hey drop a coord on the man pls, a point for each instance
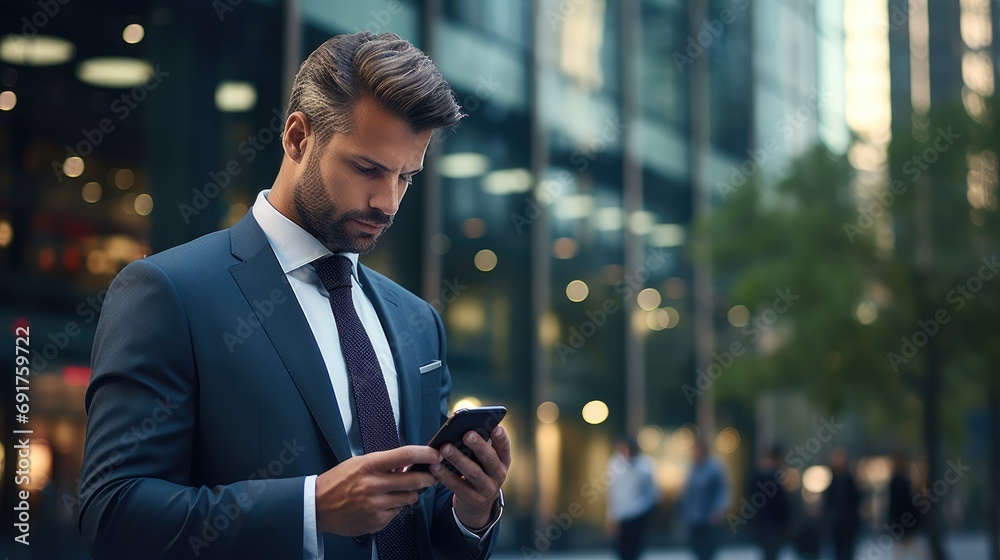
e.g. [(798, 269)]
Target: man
[(256, 392), (632, 497), (903, 519), (705, 501), (770, 523), (841, 504)]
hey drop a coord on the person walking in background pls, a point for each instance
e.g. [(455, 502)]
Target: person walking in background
[(902, 518), (841, 503), (632, 497), (770, 524), (705, 500)]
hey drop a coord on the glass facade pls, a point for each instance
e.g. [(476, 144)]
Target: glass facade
[(549, 230), (554, 229)]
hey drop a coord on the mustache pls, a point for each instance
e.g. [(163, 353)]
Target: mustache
[(373, 216)]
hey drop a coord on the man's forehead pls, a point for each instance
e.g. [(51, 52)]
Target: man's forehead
[(383, 136)]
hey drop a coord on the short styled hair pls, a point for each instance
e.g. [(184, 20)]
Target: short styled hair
[(384, 68)]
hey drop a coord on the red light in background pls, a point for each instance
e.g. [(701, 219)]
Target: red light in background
[(77, 376), (71, 259), (21, 322), (46, 258)]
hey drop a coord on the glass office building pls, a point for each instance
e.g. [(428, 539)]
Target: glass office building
[(552, 229)]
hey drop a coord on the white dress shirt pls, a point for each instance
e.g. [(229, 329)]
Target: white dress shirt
[(295, 249)]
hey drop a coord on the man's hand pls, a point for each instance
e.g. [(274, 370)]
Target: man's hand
[(363, 494), (479, 487)]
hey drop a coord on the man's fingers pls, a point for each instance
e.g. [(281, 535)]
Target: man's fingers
[(385, 461), (469, 469), (501, 443), (450, 480), (407, 482), (487, 456), (397, 500)]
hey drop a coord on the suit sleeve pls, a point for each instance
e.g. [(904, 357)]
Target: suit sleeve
[(447, 540), (136, 496)]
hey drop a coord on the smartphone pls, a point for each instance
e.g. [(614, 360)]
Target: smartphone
[(481, 419)]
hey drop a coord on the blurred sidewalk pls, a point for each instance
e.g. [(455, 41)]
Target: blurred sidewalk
[(959, 547)]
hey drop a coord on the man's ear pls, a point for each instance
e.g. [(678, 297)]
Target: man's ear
[(296, 137)]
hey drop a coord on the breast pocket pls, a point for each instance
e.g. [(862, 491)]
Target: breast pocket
[(430, 399)]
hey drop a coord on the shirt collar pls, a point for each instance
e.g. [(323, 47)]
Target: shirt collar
[(293, 246)]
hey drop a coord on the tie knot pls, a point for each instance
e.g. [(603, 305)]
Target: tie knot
[(334, 272)]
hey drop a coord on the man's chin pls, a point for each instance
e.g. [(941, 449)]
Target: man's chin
[(361, 244)]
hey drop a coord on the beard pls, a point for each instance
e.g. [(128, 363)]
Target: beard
[(321, 217)]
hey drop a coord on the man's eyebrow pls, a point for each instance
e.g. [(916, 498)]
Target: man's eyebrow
[(385, 168)]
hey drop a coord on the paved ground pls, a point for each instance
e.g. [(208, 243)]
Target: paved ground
[(959, 548)]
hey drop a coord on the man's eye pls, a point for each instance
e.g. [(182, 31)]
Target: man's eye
[(364, 170)]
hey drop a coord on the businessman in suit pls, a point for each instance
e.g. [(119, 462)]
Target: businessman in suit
[(256, 392)]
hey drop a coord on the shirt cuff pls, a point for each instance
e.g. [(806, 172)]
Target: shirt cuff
[(310, 532), (477, 537)]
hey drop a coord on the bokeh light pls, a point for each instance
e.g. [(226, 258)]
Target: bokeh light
[(817, 478), (728, 440), (595, 412), (739, 315), (648, 299), (486, 260), (577, 291), (91, 192), (547, 412), (73, 166), (133, 33)]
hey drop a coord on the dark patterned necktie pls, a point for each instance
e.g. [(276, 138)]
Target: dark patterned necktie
[(398, 540)]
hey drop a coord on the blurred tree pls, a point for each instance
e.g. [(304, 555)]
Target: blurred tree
[(897, 286)]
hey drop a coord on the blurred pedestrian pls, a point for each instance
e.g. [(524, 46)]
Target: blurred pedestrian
[(632, 497), (705, 501), (902, 518), (770, 523), (841, 504)]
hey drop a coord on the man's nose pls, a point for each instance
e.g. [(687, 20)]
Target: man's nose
[(388, 195)]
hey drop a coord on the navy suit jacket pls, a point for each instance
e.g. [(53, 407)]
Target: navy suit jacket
[(210, 404)]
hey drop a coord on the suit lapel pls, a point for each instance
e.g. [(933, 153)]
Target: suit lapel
[(394, 321), (258, 276)]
